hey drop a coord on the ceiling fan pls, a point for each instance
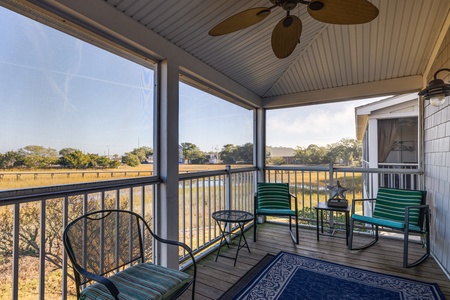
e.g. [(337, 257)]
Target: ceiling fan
[(286, 33)]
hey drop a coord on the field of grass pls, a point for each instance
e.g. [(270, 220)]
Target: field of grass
[(19, 179)]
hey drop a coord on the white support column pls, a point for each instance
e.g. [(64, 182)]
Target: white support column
[(373, 159), (260, 142), (166, 209)]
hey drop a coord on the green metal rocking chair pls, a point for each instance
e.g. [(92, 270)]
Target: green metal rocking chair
[(274, 199)]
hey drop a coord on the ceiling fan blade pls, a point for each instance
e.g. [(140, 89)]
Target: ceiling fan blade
[(346, 12), (286, 35), (240, 21)]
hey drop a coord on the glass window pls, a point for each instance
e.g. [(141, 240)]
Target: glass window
[(213, 132), (69, 106)]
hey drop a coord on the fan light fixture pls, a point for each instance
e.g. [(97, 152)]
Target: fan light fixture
[(436, 90)]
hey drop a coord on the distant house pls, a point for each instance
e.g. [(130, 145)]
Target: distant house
[(288, 154), (213, 158)]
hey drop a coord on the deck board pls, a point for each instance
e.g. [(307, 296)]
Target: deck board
[(214, 278)]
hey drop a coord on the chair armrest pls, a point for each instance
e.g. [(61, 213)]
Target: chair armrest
[(103, 280), (176, 243), (295, 201), (421, 207), (360, 200)]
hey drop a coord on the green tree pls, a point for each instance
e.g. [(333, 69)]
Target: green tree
[(244, 153), (76, 159), (347, 150), (313, 154), (227, 155), (38, 157), (131, 159), (277, 161), (193, 154), (9, 160), (143, 152)]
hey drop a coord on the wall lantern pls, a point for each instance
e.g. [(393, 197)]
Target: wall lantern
[(436, 90)]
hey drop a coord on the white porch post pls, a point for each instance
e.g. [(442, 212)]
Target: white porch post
[(166, 208), (260, 142), (373, 160)]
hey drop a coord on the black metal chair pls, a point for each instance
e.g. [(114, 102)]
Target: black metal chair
[(108, 251)]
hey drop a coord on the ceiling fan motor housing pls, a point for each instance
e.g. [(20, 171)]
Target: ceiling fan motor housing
[(285, 4)]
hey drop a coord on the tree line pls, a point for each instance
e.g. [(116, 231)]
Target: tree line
[(345, 151), (39, 157)]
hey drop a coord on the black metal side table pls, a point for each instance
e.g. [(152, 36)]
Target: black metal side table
[(228, 217), (323, 206)]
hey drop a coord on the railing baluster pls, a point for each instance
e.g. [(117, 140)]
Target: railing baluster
[(42, 252), (15, 271)]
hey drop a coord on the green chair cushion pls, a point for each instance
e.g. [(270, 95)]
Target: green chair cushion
[(384, 222), (142, 281), (275, 212), (391, 204)]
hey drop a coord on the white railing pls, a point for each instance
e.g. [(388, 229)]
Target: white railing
[(32, 220), (310, 183), (202, 193)]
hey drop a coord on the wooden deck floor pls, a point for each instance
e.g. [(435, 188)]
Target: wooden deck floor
[(214, 278)]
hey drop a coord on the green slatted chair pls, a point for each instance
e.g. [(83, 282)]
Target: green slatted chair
[(107, 250), (394, 209), (274, 199)]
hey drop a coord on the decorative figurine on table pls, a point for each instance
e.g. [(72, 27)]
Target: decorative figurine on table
[(337, 195)]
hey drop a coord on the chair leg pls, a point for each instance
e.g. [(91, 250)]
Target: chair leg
[(350, 243), (255, 221), (294, 238), (350, 237), (405, 250)]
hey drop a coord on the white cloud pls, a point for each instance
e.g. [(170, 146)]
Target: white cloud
[(319, 124)]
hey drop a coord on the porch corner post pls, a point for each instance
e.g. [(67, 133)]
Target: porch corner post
[(260, 143), (166, 212)]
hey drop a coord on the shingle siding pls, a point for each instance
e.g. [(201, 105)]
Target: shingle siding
[(437, 164)]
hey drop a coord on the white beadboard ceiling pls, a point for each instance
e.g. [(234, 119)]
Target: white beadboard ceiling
[(389, 55)]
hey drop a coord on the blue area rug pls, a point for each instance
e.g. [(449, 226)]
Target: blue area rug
[(291, 276)]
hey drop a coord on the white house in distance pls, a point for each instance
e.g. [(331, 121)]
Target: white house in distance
[(389, 131)]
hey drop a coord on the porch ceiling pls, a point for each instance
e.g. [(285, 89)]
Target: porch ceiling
[(389, 55)]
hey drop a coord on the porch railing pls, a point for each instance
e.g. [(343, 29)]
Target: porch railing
[(202, 193), (32, 219), (310, 183)]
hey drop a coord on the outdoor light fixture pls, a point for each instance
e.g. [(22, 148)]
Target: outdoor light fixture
[(436, 90)]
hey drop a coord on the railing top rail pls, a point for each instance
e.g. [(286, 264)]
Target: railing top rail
[(399, 164), (379, 170), (74, 172), (195, 175), (343, 169), (31, 194), (298, 168)]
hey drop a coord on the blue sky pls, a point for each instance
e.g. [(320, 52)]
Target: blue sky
[(59, 92)]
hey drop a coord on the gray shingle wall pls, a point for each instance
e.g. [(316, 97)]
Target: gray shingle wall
[(437, 163)]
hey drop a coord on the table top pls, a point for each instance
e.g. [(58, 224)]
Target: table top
[(324, 206), (232, 216)]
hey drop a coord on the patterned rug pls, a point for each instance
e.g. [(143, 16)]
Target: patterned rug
[(291, 276)]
